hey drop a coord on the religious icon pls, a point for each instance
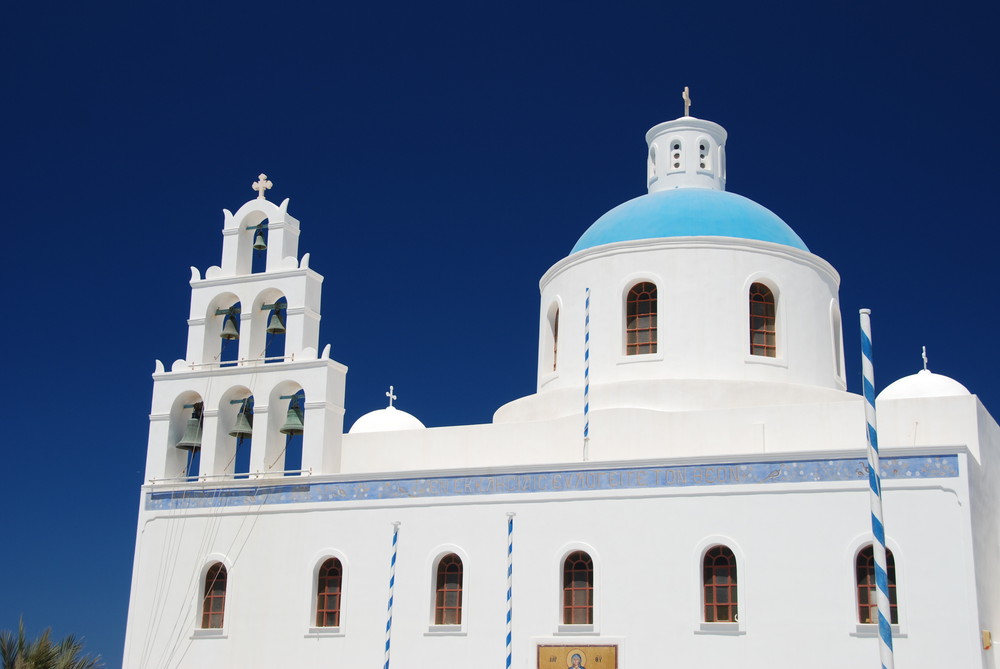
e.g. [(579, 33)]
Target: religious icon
[(566, 656)]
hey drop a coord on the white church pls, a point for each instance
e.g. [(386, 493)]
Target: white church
[(688, 486)]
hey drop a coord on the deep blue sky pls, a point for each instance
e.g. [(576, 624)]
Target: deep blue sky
[(440, 158)]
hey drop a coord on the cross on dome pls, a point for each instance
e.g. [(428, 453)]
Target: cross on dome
[(924, 356), (391, 396), (261, 185), (686, 96)]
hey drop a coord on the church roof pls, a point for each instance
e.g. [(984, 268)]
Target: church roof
[(689, 212), (923, 384), (389, 419)]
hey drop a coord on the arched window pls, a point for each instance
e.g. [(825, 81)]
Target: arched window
[(555, 339), (837, 343), (762, 337), (640, 319), (578, 589), (213, 607), (719, 584), (328, 589), (448, 599), (865, 576)]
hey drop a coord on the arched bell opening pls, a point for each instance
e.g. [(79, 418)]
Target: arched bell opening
[(258, 247), (222, 330), (286, 425), (252, 232), (184, 436), (229, 334), (267, 326), (235, 432)]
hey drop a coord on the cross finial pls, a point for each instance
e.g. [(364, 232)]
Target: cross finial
[(391, 396), (261, 185), (924, 356), (686, 96)]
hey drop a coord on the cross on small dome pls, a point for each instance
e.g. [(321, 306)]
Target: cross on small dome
[(391, 396), (261, 185), (686, 96)]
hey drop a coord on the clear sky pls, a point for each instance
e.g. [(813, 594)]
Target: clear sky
[(440, 157)]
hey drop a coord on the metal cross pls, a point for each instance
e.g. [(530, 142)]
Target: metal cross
[(687, 101), (261, 185), (924, 356), (390, 396)]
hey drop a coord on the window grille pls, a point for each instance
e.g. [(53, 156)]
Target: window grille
[(865, 571), (329, 583), (448, 602), (578, 589), (762, 333), (640, 319), (719, 582), (213, 606)]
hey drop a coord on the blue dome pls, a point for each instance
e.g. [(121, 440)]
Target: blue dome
[(689, 212)]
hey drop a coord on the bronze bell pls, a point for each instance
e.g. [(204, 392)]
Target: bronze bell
[(293, 420), (229, 329), (276, 325), (258, 241), (243, 429), (191, 441)]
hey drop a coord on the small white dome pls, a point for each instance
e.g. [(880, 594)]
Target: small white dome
[(386, 420), (923, 384)]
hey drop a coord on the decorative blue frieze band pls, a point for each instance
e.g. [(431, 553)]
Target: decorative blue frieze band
[(626, 478)]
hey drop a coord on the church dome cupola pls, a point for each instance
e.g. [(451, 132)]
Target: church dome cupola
[(687, 152), (686, 180)]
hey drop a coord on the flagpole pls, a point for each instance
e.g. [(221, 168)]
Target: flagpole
[(875, 496), (392, 585), (586, 378), (510, 575)]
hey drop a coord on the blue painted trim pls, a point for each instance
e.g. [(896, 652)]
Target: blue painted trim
[(625, 478)]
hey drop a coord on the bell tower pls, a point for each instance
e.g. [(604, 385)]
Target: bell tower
[(252, 398)]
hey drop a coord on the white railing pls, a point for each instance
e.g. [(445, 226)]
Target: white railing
[(242, 362)]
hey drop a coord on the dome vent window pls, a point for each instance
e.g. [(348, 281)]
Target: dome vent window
[(640, 319), (762, 321), (675, 154), (703, 162)]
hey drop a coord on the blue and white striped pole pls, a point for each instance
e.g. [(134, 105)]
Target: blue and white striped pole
[(586, 378), (392, 585), (510, 574), (875, 495)]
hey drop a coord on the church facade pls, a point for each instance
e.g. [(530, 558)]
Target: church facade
[(688, 486)]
